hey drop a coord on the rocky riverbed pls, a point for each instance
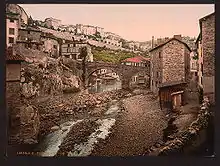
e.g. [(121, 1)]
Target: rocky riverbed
[(104, 124)]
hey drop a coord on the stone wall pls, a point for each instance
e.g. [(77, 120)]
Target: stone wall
[(13, 72), (208, 45), (173, 61), (156, 66), (13, 93), (188, 138), (208, 48)]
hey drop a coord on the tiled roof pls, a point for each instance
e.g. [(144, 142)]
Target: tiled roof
[(136, 59), (13, 57)]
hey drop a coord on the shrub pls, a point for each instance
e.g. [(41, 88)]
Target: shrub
[(71, 90)]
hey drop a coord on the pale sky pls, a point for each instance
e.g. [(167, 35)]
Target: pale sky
[(131, 21)]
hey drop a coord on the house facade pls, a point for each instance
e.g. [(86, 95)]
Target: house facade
[(206, 56), (170, 62), (30, 38), (14, 8), (72, 49), (50, 44), (12, 26)]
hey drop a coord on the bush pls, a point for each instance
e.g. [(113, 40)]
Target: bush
[(71, 90)]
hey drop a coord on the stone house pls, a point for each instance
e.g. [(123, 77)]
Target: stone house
[(50, 44), (72, 49), (206, 56), (12, 25), (13, 76), (30, 38), (14, 8), (137, 61), (170, 62), (52, 22)]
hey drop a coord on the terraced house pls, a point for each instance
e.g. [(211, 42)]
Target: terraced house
[(206, 56)]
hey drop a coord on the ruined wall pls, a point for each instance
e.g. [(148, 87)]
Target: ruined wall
[(173, 61), (192, 137), (208, 52)]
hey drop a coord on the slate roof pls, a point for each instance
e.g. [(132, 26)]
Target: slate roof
[(171, 83), (168, 42)]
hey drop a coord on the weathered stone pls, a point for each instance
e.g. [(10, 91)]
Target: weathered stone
[(22, 79), (26, 121), (54, 128)]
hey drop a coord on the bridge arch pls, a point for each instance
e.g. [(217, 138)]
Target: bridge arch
[(103, 67)]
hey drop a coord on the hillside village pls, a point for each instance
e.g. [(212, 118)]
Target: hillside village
[(73, 83)]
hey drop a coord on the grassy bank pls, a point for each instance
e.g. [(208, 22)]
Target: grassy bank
[(110, 56)]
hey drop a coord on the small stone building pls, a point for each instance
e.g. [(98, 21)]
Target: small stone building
[(72, 49), (30, 37), (170, 62), (206, 56), (50, 44)]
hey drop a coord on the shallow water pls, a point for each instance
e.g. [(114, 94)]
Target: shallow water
[(53, 140), (85, 148)]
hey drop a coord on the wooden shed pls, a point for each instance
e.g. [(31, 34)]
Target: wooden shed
[(171, 95)]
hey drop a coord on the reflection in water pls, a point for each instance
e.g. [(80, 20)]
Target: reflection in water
[(103, 86)]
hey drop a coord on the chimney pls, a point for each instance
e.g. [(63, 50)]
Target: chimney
[(152, 42), (179, 37)]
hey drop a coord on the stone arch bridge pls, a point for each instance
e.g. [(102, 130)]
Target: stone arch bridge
[(125, 72)]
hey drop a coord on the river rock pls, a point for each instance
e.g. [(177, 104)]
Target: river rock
[(22, 79), (54, 128)]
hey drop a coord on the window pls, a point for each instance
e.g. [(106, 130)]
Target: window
[(201, 80), (11, 20), (156, 83), (28, 32), (202, 68), (158, 74), (11, 40), (11, 31), (159, 54), (196, 74)]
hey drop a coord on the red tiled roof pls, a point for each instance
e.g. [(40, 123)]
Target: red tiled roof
[(136, 59)]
